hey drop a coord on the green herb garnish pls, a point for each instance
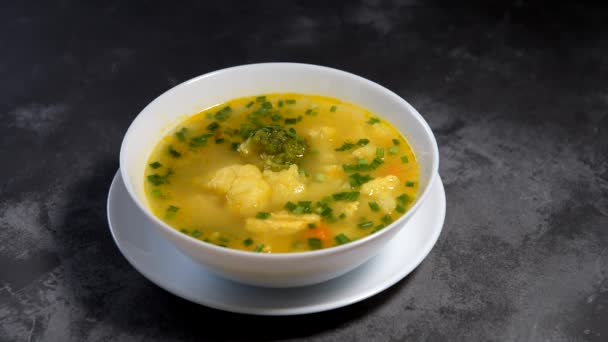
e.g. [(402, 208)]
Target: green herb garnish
[(248, 242), (404, 160), (410, 184), (365, 224), (259, 248), (312, 226), (380, 152), (333, 109), (249, 104), (173, 152), (261, 98), (393, 150), (346, 196), (262, 215), (155, 165), (396, 142), (341, 239), (223, 113), (213, 126), (374, 206), (290, 101), (315, 243), (291, 121), (373, 121), (181, 134), (357, 179)]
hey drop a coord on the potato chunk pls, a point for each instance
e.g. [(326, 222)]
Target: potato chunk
[(281, 223), (382, 191), (246, 190), (367, 152), (285, 185)]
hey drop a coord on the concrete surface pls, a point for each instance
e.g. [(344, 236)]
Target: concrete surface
[(516, 92)]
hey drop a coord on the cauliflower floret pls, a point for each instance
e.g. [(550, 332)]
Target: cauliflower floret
[(346, 208), (285, 185), (245, 189), (382, 191), (367, 152), (281, 223)]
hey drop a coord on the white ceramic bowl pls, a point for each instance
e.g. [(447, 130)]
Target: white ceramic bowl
[(197, 94)]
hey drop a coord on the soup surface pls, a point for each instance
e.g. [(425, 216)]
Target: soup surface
[(281, 173)]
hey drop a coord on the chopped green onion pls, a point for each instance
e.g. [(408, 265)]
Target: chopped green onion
[(400, 208), (386, 219), (290, 206), (220, 140), (291, 121), (290, 101), (346, 196), (261, 98), (181, 134), (280, 103), (373, 121), (333, 109), (262, 215), (259, 248), (341, 239), (393, 150), (380, 152), (249, 104), (312, 226), (374, 206), (363, 142), (173, 152), (404, 160), (320, 177), (403, 198), (276, 117), (172, 209), (234, 146), (409, 184), (196, 233), (155, 165), (157, 193), (326, 212), (157, 179), (342, 216), (396, 142), (213, 126), (357, 179), (345, 146), (365, 224), (223, 113), (248, 242), (185, 231), (314, 243)]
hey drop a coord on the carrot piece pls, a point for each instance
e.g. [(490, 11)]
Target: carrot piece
[(321, 232), (394, 169)]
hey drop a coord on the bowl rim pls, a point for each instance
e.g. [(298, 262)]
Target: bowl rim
[(286, 255)]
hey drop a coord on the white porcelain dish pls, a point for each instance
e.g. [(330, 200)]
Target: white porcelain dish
[(158, 260), (288, 269)]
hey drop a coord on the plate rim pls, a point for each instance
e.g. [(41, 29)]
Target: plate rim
[(299, 310)]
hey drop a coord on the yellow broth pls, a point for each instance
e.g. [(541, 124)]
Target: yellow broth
[(357, 175)]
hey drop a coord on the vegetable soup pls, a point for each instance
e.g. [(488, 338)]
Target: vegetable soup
[(281, 173)]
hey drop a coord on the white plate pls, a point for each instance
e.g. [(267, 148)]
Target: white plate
[(164, 265)]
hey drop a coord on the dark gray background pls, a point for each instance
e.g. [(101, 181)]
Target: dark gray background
[(516, 93)]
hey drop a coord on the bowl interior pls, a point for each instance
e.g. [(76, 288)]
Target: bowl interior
[(202, 92)]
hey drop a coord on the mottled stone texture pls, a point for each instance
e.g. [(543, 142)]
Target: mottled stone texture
[(516, 92)]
